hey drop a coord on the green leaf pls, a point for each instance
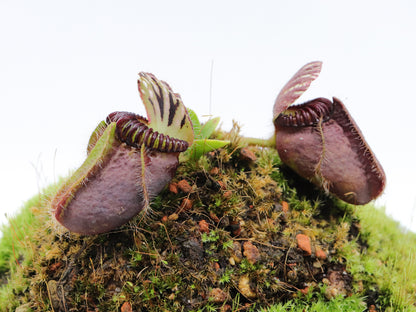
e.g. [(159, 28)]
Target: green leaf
[(202, 143), (205, 130), (195, 123), (203, 146), (208, 128)]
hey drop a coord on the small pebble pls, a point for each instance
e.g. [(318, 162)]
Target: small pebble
[(214, 171), (372, 308), (217, 295), (292, 275), (203, 226), (184, 186), (304, 243), (214, 217), (320, 254), (173, 217), (186, 204), (236, 252), (247, 154), (251, 252), (232, 261), (126, 307), (173, 187), (244, 287), (285, 207)]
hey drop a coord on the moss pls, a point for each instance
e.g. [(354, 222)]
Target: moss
[(234, 246), (338, 304)]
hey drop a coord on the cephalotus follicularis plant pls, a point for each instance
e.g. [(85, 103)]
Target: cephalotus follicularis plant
[(132, 158), (321, 142)]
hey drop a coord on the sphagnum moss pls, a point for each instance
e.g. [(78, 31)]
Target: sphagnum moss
[(234, 247)]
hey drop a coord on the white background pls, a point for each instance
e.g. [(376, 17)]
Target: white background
[(64, 65)]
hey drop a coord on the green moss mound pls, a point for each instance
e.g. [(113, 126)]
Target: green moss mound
[(235, 231)]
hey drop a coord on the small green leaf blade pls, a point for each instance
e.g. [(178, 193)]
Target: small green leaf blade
[(209, 127), (203, 146), (195, 123)]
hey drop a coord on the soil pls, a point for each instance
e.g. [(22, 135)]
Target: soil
[(224, 234)]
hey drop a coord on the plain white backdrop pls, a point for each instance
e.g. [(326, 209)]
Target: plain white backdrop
[(64, 65)]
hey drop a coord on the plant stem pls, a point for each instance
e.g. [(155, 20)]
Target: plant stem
[(271, 142)]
